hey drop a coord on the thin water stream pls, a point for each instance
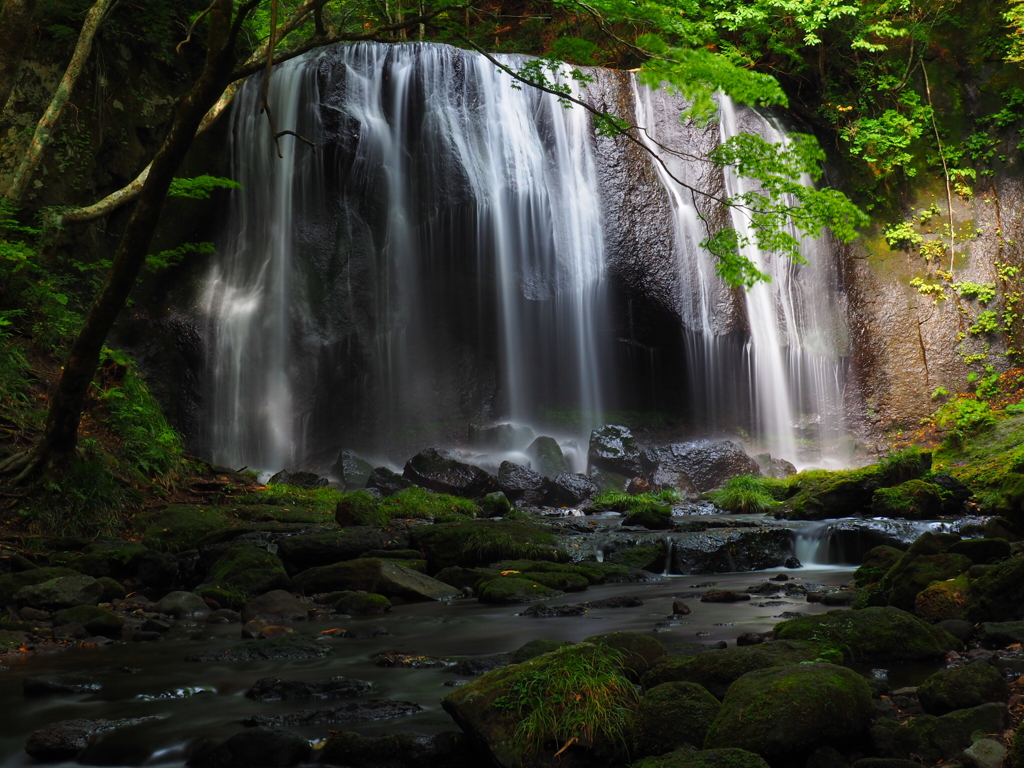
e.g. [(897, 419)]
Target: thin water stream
[(140, 679)]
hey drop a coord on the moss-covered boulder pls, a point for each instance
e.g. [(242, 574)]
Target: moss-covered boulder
[(942, 600), (535, 648), (442, 750), (930, 738), (472, 543), (785, 713), (962, 688), (362, 603), (1015, 756), (385, 577), (461, 578), (639, 651), (62, 592), (820, 495), (594, 573), (871, 634), (117, 559), (11, 583), (912, 500), (645, 556), (674, 715), (708, 758), (1000, 634), (249, 571), (302, 552), (718, 669), (982, 551), (651, 518), (876, 564), (525, 713), (360, 508), (563, 582), (513, 589), (912, 574), (96, 620), (180, 527), (999, 594)]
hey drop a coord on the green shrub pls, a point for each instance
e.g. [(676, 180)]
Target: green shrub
[(907, 464), (747, 494), (964, 417)]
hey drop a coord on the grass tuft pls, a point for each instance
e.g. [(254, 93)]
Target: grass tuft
[(748, 494)]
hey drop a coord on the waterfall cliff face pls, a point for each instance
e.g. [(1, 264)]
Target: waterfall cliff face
[(456, 248)]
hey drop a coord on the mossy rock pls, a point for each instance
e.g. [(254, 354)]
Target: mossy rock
[(639, 651), (536, 648), (933, 738), (472, 543), (708, 758), (116, 559), (383, 576), (943, 600), (309, 551), (461, 578), (564, 582), (871, 634), (912, 500), (249, 570), (718, 669), (916, 569), (982, 551), (112, 589), (594, 573), (651, 518), (491, 709), (877, 563), (962, 688), (362, 603), (512, 590), (1015, 756), (495, 505), (12, 582), (447, 749), (225, 597), (674, 715), (821, 495), (406, 555), (999, 593), (96, 620), (360, 508), (181, 527), (785, 713), (645, 556)]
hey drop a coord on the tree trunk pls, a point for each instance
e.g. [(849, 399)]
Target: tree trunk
[(48, 122), (61, 432), (15, 25)]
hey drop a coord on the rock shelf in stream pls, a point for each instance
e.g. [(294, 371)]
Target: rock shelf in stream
[(352, 712), (276, 689)]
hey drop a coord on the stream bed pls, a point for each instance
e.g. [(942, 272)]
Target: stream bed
[(192, 701)]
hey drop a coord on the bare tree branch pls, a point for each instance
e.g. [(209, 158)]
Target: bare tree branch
[(48, 122)]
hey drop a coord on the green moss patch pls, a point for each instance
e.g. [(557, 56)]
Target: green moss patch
[(180, 527), (473, 543)]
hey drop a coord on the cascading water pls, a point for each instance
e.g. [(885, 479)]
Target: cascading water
[(782, 372), (442, 256), (450, 232)]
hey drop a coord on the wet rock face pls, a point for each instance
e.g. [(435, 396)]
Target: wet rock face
[(62, 592), (570, 490), (521, 484), (719, 550), (69, 738), (614, 449), (299, 479), (546, 457), (352, 470), (444, 472), (705, 463)]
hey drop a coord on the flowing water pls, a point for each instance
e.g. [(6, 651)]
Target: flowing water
[(442, 256)]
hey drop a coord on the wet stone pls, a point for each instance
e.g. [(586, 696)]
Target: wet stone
[(66, 739), (409, 661), (275, 689), (291, 647), (355, 711), (479, 665), (45, 685), (724, 596)]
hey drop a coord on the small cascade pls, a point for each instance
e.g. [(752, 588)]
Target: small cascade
[(844, 542)]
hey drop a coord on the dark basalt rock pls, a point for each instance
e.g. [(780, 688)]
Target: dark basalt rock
[(289, 647), (352, 471), (302, 552), (521, 484), (614, 449), (730, 549), (387, 482), (45, 685), (724, 596), (955, 493), (307, 481), (962, 688), (479, 665), (61, 592), (405, 750), (445, 472), (276, 689), (352, 712), (706, 463), (69, 738), (263, 747), (570, 490), (277, 605)]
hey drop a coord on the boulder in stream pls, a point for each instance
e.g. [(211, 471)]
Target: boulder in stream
[(307, 481), (370, 574), (521, 484), (387, 482), (614, 449), (351, 712), (674, 715), (570, 490), (277, 605), (61, 592), (276, 689), (67, 739), (179, 604), (264, 747), (546, 457), (351, 470), (706, 464)]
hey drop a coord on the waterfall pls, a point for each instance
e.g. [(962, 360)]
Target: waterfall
[(450, 231), (444, 255), (784, 374)]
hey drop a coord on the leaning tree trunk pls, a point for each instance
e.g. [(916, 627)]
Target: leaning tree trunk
[(60, 436), (15, 25), (48, 122)]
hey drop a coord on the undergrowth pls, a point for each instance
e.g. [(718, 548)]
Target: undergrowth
[(575, 695), (417, 503), (620, 501)]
